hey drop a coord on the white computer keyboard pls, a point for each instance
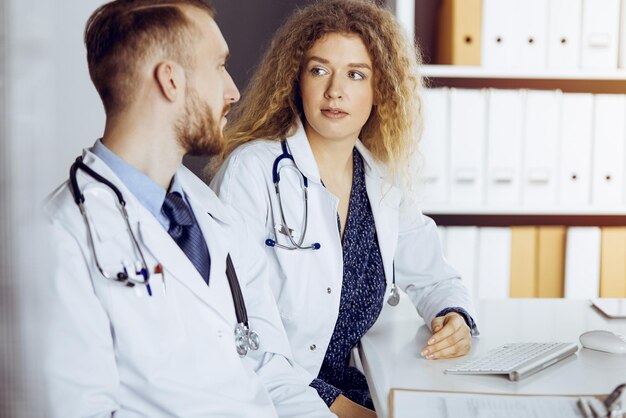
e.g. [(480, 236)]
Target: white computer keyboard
[(517, 360)]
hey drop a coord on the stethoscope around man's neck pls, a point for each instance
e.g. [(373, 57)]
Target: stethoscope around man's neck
[(142, 274), (245, 338), (394, 294)]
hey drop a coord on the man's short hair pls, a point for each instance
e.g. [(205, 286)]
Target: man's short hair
[(121, 34)]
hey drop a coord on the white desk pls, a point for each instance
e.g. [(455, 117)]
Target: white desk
[(390, 351)]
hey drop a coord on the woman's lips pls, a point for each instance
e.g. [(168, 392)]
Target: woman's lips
[(334, 113)]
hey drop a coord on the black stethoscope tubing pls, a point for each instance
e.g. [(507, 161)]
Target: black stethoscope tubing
[(235, 290), (122, 276), (76, 193), (233, 282)]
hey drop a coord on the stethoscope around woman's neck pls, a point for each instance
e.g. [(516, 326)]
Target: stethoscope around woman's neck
[(394, 294), (284, 228)]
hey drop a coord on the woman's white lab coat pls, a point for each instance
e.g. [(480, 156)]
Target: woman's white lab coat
[(111, 348), (307, 283)]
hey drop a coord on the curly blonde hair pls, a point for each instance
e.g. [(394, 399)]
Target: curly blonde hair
[(272, 100)]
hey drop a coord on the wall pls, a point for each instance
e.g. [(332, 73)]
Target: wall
[(48, 111), (248, 27)]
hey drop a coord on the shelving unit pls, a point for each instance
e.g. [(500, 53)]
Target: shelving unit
[(510, 248), (613, 82)]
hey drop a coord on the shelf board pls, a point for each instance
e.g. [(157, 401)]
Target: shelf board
[(475, 72), (553, 211), (526, 217)]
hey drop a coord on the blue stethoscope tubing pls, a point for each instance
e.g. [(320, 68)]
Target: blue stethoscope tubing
[(245, 338), (295, 245)]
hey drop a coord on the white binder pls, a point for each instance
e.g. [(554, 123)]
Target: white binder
[(600, 34), (461, 253), (582, 263), (541, 147), (405, 13), (467, 139), (622, 37), (494, 263), (504, 147), (531, 34), (564, 34), (609, 135), (498, 47), (432, 155), (576, 150)]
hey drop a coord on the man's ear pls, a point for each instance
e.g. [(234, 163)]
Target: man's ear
[(170, 79)]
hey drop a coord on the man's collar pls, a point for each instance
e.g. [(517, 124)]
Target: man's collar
[(150, 194), (201, 195)]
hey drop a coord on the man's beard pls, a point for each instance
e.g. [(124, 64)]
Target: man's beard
[(197, 131)]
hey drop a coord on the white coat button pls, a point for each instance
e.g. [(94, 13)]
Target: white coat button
[(313, 347), (329, 290)]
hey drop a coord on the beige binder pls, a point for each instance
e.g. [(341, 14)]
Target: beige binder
[(551, 261), (523, 262), (459, 32), (613, 263)]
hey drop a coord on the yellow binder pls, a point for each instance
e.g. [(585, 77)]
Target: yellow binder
[(613, 263), (551, 261), (459, 32), (523, 262)]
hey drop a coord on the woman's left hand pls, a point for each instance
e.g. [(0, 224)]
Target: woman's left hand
[(451, 338)]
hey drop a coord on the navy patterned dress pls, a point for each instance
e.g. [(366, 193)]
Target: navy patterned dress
[(362, 295)]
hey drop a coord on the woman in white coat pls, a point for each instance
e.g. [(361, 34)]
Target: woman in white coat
[(333, 109)]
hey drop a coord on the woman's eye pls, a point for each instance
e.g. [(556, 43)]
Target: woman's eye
[(318, 71), (355, 75)]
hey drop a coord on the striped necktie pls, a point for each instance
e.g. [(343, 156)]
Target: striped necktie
[(186, 232)]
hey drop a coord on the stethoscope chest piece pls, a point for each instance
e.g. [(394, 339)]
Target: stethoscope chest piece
[(394, 295), (245, 339)]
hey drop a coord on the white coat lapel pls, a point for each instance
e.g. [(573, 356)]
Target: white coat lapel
[(174, 261), (213, 220), (385, 201), (218, 242), (303, 157)]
